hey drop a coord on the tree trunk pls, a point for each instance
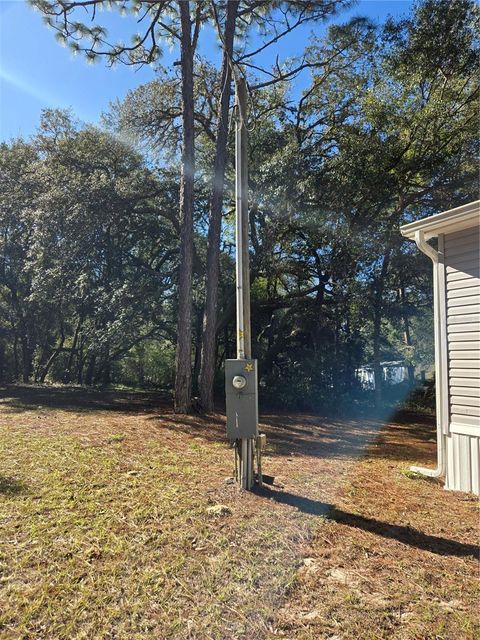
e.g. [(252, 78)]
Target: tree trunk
[(183, 360), (107, 374), (40, 377), (377, 326), (50, 362), (197, 350), (407, 336), (90, 371), (377, 368), (80, 362), (15, 359), (2, 361), (141, 363), (207, 363), (67, 374), (27, 359), (37, 376)]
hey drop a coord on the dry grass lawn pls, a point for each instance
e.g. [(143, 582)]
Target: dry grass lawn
[(396, 558), (105, 530)]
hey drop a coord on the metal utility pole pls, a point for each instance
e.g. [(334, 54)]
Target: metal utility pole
[(244, 342), (241, 374)]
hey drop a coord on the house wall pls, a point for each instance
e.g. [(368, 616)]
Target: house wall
[(462, 278)]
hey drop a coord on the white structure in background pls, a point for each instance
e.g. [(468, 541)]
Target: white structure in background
[(393, 372), (456, 271)]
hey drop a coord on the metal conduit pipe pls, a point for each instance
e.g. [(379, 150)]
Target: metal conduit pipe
[(434, 255)]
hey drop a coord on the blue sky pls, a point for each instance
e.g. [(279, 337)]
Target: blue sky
[(36, 72)]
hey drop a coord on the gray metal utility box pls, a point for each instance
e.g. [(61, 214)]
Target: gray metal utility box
[(241, 398)]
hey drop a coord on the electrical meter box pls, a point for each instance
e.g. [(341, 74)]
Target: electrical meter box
[(241, 399)]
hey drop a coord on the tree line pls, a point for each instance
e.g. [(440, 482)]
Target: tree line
[(117, 261)]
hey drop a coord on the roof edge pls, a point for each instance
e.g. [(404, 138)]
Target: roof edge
[(468, 215)]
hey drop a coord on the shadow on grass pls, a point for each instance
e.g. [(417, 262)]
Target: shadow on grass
[(10, 486), (21, 398), (404, 437), (306, 505), (407, 437), (405, 535)]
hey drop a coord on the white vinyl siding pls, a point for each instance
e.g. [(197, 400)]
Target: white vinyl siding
[(463, 463), (462, 262), (457, 337)]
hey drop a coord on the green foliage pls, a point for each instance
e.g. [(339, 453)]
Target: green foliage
[(94, 228), (411, 475), (148, 364)]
